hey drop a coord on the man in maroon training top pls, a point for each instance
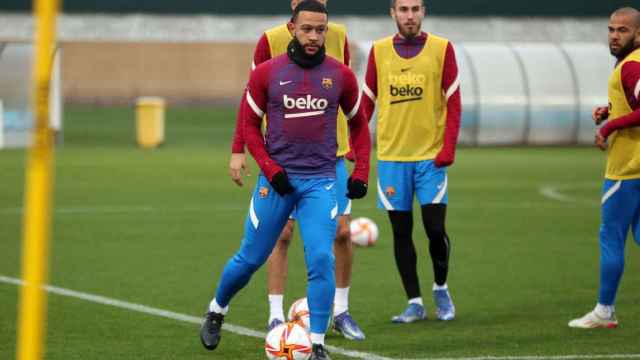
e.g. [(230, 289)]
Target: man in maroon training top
[(300, 93)]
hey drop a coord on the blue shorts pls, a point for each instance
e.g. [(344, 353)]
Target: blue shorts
[(399, 181), (342, 176), (621, 209)]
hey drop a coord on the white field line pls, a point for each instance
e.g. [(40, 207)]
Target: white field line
[(240, 330), (554, 192), (173, 315)]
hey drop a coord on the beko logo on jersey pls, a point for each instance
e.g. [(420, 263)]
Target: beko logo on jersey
[(406, 90), (314, 106), (406, 87), (305, 103)]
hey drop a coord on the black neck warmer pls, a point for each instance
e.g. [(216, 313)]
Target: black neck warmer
[(296, 53)]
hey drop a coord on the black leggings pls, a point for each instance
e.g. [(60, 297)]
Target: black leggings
[(433, 219)]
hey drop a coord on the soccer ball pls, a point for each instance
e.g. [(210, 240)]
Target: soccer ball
[(364, 232), (288, 342), (299, 313)]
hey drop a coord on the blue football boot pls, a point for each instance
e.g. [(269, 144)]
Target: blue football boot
[(445, 310), (345, 325), (413, 312)]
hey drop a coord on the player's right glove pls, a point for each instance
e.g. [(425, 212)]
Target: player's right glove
[(356, 188), (280, 183)]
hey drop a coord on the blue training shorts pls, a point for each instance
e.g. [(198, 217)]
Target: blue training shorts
[(399, 181)]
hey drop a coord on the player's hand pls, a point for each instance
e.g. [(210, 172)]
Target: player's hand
[(280, 183), (238, 167), (600, 141), (356, 188), (600, 114), (444, 158)]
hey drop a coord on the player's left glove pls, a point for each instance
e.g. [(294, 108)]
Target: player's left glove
[(280, 183), (356, 188)]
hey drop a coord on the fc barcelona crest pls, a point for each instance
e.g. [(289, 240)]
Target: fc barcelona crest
[(390, 191), (327, 83)]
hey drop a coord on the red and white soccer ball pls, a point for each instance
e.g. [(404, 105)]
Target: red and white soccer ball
[(299, 313), (288, 342), (364, 232)]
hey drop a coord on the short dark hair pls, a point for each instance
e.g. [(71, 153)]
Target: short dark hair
[(309, 5), (634, 13), (393, 3)]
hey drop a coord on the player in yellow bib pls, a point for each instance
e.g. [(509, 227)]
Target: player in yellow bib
[(620, 205), (272, 43), (412, 78)]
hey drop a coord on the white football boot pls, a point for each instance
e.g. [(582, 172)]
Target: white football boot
[(595, 319)]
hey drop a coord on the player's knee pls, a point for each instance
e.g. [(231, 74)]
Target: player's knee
[(401, 224), (285, 236), (250, 264), (436, 233), (402, 233), (320, 261), (343, 234), (433, 219), (613, 263)]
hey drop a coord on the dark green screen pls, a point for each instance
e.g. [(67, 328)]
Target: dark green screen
[(351, 7)]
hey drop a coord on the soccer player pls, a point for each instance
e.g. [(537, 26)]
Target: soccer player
[(620, 205), (271, 44), (300, 93), (412, 78)]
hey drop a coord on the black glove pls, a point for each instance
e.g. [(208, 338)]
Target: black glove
[(356, 189), (280, 183)]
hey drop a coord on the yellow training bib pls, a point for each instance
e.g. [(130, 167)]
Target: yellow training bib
[(623, 160), (411, 104)]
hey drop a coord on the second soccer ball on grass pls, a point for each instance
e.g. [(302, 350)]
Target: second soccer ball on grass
[(364, 232)]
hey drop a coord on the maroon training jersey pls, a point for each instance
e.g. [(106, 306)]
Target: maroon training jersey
[(301, 107)]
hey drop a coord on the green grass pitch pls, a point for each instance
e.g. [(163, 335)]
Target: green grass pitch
[(156, 227)]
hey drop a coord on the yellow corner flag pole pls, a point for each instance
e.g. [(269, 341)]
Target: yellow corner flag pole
[(37, 214)]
